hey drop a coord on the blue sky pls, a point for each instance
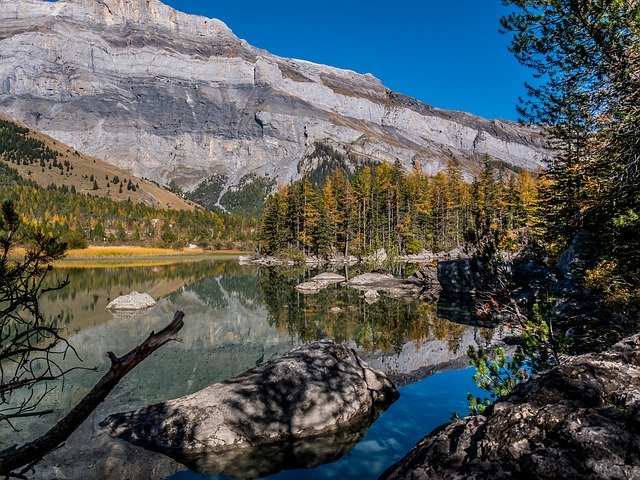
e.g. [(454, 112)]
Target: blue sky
[(448, 54)]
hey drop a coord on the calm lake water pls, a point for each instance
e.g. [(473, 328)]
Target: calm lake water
[(237, 317)]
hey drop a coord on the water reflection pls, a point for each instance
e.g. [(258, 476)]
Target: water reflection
[(259, 462), (235, 318)]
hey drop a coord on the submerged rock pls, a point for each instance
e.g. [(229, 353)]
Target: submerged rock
[(310, 287), (329, 278), (383, 283), (133, 301), (367, 279), (314, 390), (265, 460), (319, 282), (579, 420)]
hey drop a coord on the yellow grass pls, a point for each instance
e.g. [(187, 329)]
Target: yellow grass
[(129, 256)]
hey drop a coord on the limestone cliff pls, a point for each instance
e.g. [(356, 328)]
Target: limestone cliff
[(172, 96)]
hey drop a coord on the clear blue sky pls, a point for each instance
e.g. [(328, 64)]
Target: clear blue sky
[(446, 53)]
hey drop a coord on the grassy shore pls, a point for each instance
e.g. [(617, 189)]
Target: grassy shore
[(129, 256)]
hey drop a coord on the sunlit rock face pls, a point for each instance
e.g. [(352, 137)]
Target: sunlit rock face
[(176, 96)]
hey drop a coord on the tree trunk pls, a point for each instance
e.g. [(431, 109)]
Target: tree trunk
[(12, 459)]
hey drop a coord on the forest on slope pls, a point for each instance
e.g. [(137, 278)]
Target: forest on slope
[(80, 218)]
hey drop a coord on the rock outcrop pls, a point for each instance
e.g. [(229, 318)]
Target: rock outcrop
[(133, 301), (172, 96), (427, 278), (579, 420), (314, 390)]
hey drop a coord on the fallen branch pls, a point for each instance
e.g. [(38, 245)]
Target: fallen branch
[(14, 458)]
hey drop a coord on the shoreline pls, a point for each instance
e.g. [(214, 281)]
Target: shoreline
[(132, 256)]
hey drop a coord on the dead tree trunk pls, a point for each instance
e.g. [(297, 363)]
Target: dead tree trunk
[(26, 456)]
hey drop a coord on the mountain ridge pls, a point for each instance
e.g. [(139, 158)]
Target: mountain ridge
[(178, 97)]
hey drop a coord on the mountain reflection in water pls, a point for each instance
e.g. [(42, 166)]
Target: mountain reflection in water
[(235, 318)]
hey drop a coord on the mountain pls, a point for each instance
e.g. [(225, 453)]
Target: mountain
[(179, 98), (45, 161)]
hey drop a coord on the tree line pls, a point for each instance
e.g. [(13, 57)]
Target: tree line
[(78, 219), (383, 206), (16, 146)]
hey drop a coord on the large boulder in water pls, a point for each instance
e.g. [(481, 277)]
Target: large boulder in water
[(314, 390), (579, 420), (459, 276), (133, 301), (384, 283)]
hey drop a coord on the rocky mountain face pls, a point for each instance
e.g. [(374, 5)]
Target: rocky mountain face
[(172, 96)]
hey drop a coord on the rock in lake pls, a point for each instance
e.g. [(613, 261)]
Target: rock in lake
[(314, 390), (367, 279), (579, 420), (459, 276), (133, 301), (310, 287), (386, 284), (328, 278), (371, 296), (319, 282)]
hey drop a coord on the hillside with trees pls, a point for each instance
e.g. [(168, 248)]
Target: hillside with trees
[(81, 219), (45, 161)]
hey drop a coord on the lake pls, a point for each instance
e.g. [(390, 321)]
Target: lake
[(235, 318)]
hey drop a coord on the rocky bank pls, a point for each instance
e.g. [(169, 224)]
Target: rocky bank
[(579, 420)]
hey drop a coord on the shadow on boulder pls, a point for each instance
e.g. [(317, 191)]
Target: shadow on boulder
[(314, 404)]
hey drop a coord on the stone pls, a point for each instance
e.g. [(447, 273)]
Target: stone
[(133, 301), (371, 296), (379, 256), (383, 283), (311, 287), (370, 279), (533, 276), (244, 260), (427, 280), (459, 276), (314, 390), (319, 282), (266, 261), (579, 420), (328, 277), (171, 96)]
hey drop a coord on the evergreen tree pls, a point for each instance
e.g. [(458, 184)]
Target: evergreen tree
[(587, 57)]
